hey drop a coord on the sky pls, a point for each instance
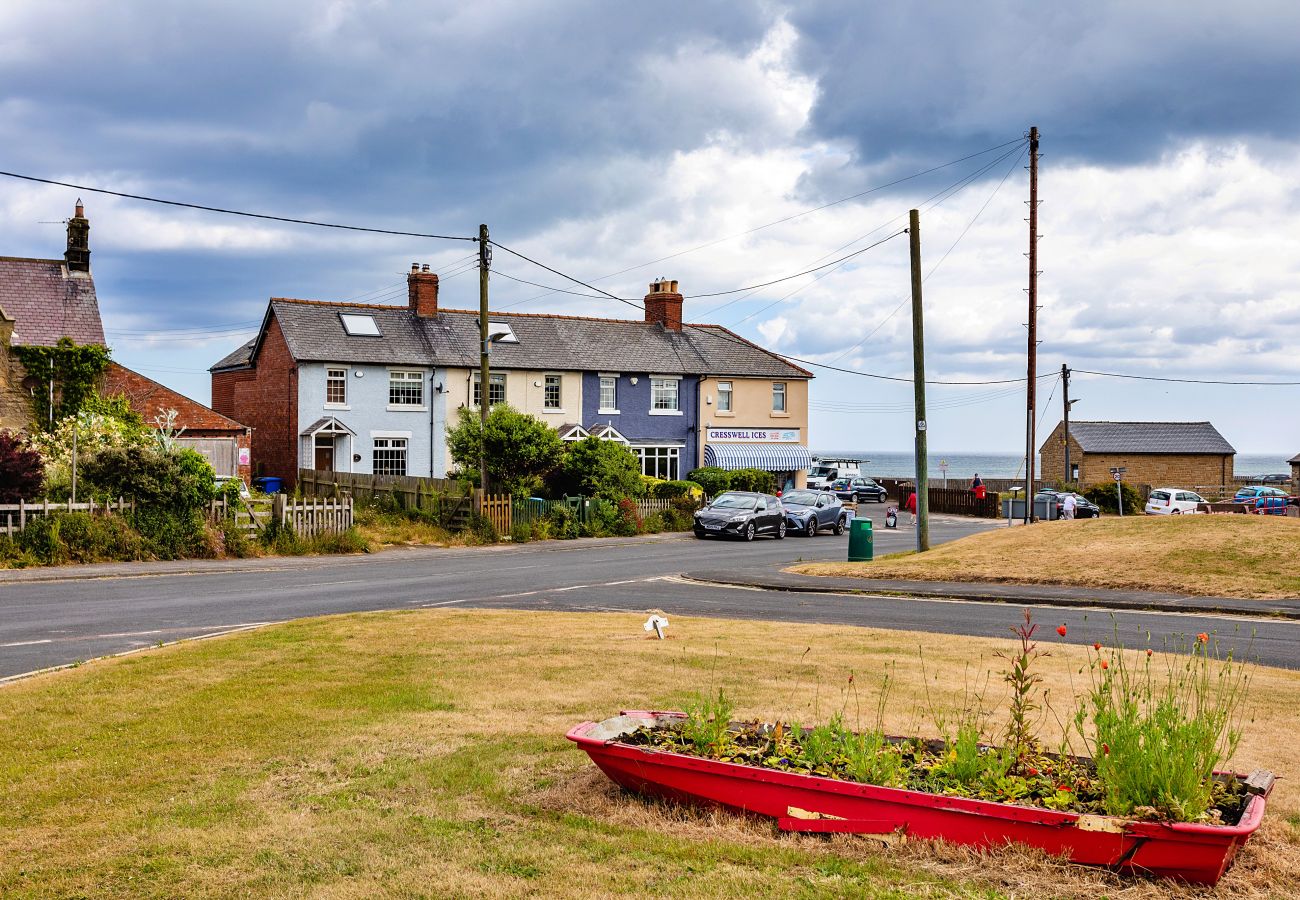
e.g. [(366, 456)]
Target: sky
[(720, 144)]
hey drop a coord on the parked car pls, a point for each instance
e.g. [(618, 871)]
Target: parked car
[(741, 514), (1278, 478), (827, 470), (807, 512), (859, 490), (1262, 499), (222, 480), (1172, 502), (1083, 507)]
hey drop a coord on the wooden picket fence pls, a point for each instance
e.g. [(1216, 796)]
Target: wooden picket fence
[(16, 516), (310, 516), (497, 509)]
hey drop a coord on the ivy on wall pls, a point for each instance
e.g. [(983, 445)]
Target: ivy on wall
[(75, 370)]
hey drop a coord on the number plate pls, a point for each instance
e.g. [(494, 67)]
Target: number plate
[(713, 527)]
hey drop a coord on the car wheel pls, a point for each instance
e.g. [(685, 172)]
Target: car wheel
[(1176, 512), (700, 535), (780, 531), (810, 530), (881, 499), (839, 526), (750, 531)]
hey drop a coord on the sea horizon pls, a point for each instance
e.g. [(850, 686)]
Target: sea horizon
[(965, 465)]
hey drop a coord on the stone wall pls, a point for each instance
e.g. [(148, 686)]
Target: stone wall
[(15, 405)]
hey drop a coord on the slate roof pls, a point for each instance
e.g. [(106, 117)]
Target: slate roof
[(48, 302), (1185, 438), (315, 333), (1295, 459)]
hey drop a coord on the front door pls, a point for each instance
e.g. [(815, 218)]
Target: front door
[(324, 453)]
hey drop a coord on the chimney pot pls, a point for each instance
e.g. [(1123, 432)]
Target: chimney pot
[(424, 268), (415, 267)]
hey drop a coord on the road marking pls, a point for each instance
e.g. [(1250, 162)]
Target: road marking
[(27, 643), (125, 634)]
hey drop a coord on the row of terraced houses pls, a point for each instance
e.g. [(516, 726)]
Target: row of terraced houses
[(371, 389)]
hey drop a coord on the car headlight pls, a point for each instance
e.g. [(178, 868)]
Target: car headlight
[(739, 518)]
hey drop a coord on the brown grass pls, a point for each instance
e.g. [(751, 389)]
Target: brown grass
[(421, 753), (1251, 557)]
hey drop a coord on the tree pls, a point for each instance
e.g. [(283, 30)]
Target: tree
[(21, 469), (600, 468), (180, 482), (103, 423), (520, 449)]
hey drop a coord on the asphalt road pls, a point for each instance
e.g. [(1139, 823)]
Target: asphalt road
[(55, 622)]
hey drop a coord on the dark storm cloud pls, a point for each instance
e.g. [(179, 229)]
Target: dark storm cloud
[(1105, 82)]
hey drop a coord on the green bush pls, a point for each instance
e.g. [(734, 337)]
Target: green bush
[(520, 449), (597, 468), (753, 480), (711, 478), (1104, 496), (347, 541), (670, 489), (79, 537), (563, 523), (521, 532), (235, 541), (603, 519)]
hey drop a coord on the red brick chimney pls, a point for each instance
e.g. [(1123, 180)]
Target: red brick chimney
[(422, 291), (664, 304)]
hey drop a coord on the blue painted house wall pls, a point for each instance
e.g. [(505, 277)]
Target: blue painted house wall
[(634, 419)]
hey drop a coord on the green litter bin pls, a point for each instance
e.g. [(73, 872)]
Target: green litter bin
[(860, 543)]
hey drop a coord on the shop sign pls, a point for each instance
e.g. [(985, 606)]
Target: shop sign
[(752, 435)]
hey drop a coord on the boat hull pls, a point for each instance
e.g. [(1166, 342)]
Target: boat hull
[(1194, 853)]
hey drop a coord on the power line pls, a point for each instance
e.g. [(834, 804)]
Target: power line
[(236, 212), (1187, 380), (840, 261)]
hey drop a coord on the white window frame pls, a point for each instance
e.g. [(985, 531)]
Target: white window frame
[(336, 404), (493, 378), (604, 410), (649, 455), (781, 389), (390, 445), (558, 379), (726, 389), (656, 383), (403, 376)]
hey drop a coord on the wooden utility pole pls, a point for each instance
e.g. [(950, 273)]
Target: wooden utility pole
[(1031, 424), (484, 390), (918, 386), (1065, 418)]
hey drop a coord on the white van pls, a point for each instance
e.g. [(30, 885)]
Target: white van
[(826, 470)]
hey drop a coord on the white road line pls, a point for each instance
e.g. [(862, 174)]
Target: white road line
[(125, 634), (450, 602), (27, 643)]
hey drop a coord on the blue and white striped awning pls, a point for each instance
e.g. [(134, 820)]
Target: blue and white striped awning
[(768, 457)]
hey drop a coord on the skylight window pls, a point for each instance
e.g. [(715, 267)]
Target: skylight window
[(359, 325), (507, 333)]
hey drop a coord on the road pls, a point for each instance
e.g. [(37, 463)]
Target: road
[(48, 623)]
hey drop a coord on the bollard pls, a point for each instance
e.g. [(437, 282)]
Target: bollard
[(861, 547)]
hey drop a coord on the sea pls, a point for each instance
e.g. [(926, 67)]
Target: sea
[(964, 466)]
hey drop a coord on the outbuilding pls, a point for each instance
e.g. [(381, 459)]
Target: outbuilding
[(1192, 455)]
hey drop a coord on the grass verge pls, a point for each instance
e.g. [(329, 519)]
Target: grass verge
[(1251, 557), (422, 754)]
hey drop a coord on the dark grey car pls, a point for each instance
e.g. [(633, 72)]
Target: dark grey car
[(808, 511), (741, 514)]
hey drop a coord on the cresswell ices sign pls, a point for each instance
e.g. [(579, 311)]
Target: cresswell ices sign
[(754, 435)]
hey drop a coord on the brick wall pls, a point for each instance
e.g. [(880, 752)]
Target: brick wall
[(264, 398)]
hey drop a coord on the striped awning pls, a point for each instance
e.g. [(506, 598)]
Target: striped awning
[(768, 457)]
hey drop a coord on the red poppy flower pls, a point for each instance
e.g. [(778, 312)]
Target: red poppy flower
[(1104, 664), (1105, 749), (1203, 637), (1064, 787), (1031, 772), (1061, 629), (1097, 645), (1148, 651)]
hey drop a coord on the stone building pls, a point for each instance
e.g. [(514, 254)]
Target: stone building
[(1295, 473), (1188, 455)]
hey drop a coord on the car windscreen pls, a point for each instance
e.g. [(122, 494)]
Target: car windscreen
[(1159, 495), (818, 471), (800, 498), (732, 501)]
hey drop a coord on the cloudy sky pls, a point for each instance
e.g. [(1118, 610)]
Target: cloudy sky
[(619, 142)]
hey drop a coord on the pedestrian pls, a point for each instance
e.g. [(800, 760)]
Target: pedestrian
[(911, 505), (1068, 506), (977, 487)]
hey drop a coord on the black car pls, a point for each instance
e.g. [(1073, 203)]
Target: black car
[(741, 514), (859, 489), (1274, 479), (1083, 507), (809, 511)]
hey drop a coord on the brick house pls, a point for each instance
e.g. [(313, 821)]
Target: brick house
[(1188, 455), (372, 389), (225, 442), (42, 301)]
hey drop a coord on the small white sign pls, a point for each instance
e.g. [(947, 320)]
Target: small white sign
[(920, 425)]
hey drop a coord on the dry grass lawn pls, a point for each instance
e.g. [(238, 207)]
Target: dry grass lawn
[(422, 754), (1254, 557)]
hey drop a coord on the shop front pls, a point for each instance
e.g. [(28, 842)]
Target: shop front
[(780, 451)]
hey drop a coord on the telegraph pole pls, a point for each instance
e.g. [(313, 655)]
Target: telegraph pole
[(1031, 429), (1065, 419), (918, 386), (484, 261)]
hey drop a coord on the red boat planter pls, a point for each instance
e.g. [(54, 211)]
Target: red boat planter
[(1194, 853)]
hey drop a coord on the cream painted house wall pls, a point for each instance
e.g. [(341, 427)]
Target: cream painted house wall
[(525, 391), (751, 403)]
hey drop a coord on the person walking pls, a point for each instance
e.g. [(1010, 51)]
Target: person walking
[(1068, 506), (911, 505), (977, 487)]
